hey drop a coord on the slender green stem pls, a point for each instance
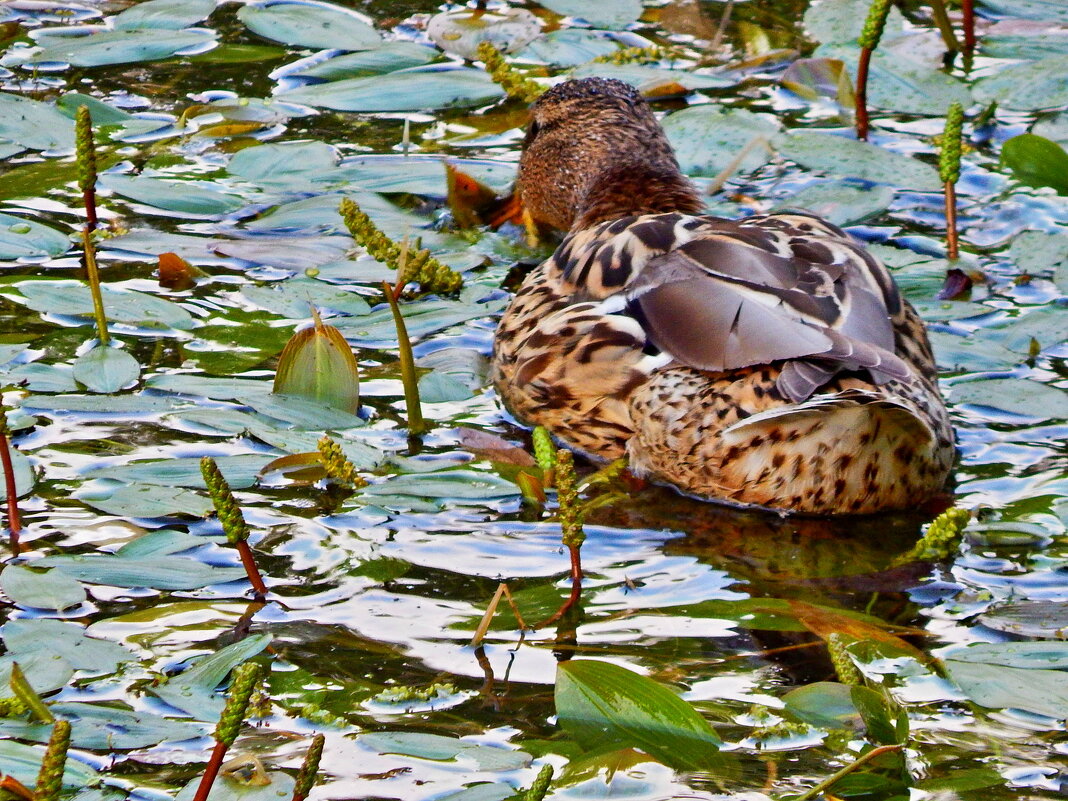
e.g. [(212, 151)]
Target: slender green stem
[(94, 287), (25, 693), (945, 27), (852, 766), (416, 424)]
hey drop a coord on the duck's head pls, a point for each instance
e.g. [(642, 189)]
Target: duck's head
[(593, 152)]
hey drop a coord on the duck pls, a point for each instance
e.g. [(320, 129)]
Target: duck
[(765, 362)]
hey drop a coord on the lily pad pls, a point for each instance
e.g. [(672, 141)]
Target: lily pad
[(106, 369), (47, 589), (118, 47), (839, 155), (306, 23), (611, 14), (33, 124), (21, 238), (1016, 396), (187, 197), (120, 305), (1044, 692), (391, 56), (707, 139), (1029, 655), (1027, 87), (169, 15), (417, 89)]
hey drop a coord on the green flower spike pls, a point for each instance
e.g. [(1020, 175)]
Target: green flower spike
[(843, 666), (309, 768), (942, 538), (949, 157), (85, 151), (233, 522), (632, 55), (337, 467), (872, 31), (245, 678), (505, 76), (541, 784), (50, 777), (544, 450), (567, 495)]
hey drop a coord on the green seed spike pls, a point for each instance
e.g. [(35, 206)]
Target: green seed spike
[(432, 275), (567, 495), (941, 539), (949, 157), (544, 450), (233, 522), (244, 682), (872, 31), (337, 467), (309, 768), (541, 784), (505, 76), (632, 55), (50, 777), (844, 667), (85, 151)]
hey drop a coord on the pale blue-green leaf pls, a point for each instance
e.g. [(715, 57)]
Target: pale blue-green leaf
[(439, 387), (709, 138), (305, 23), (391, 56), (163, 542), (284, 165), (38, 377), (9, 148), (840, 21), (106, 369), (377, 329), (1044, 10), (154, 572), (67, 640), (193, 690), (568, 47), (286, 253), (295, 297), (1044, 692), (44, 671), (239, 471), (214, 388), (1042, 618), (1014, 395), (841, 202), (9, 352), (839, 155), (487, 791), (447, 487), (611, 14), (417, 89), (119, 47), (99, 111), (1038, 252), (824, 704), (163, 14), (438, 747), (1046, 325), (102, 728), (1025, 655), (650, 79), (21, 238), (227, 789), (460, 31), (1054, 128), (100, 404), (1039, 41), (958, 353), (188, 197), (136, 499), (120, 305), (25, 477), (1029, 86), (934, 310), (303, 413), (47, 589), (23, 762), (33, 124), (362, 455), (417, 175), (467, 366)]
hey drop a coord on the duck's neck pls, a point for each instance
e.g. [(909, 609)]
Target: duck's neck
[(623, 189)]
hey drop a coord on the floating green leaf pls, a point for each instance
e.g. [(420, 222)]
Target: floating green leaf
[(1016, 396), (106, 369), (193, 691), (461, 31), (838, 155), (1044, 692), (33, 124), (306, 23), (158, 572), (290, 165), (99, 727), (163, 14), (21, 238), (1026, 655), (25, 477), (568, 47), (654, 80), (841, 202), (135, 499), (415, 89), (438, 747), (391, 56), (601, 704), (118, 47), (67, 640), (1029, 86), (239, 471), (122, 305), (24, 761), (1036, 161), (48, 589), (612, 14), (708, 139), (187, 197)]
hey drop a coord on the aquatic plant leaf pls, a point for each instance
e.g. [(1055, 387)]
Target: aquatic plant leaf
[(46, 672), (318, 364), (99, 727), (656, 81), (1014, 395), (439, 387), (823, 621), (289, 165), (1045, 10), (961, 780), (25, 477), (193, 690), (108, 405), (812, 78), (885, 720), (33, 124), (600, 704), (9, 148), (1029, 618), (840, 21), (187, 197), (417, 175), (1044, 692), (238, 54), (303, 413), (120, 305), (306, 23), (1037, 252), (417, 89), (1028, 86), (66, 640), (1047, 326), (959, 353), (1050, 655), (136, 499), (614, 15), (164, 542), (239, 471), (377, 329), (841, 202), (47, 589), (279, 788), (396, 55), (157, 572), (453, 485), (568, 47), (23, 762), (101, 112), (170, 15), (1036, 161), (838, 155), (824, 704), (117, 47), (462, 30), (21, 238), (296, 297), (438, 747), (106, 369), (707, 139)]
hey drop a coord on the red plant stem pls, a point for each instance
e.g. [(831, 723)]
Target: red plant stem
[(968, 9), (862, 94), (13, 524), (576, 589), (89, 199), (218, 753), (952, 245), (248, 559), (297, 797), (576, 564)]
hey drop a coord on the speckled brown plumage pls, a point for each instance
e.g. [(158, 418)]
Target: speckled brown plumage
[(769, 361)]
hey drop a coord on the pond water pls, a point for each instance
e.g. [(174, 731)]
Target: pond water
[(228, 134)]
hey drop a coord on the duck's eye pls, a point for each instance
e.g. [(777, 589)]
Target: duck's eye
[(532, 131)]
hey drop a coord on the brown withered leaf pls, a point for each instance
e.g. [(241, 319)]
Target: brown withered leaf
[(176, 273), (824, 622)]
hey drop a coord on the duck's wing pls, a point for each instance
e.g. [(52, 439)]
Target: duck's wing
[(737, 295)]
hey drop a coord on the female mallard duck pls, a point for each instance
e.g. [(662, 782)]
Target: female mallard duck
[(769, 361)]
